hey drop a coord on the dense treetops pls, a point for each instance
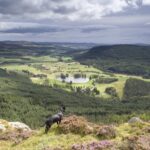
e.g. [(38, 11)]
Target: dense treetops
[(129, 59)]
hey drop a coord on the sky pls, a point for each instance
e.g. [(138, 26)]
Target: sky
[(96, 21)]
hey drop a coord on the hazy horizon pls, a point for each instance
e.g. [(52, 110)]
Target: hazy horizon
[(65, 42)]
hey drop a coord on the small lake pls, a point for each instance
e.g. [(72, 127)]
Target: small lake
[(74, 80)]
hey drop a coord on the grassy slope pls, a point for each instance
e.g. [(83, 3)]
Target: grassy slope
[(22, 100), (54, 139)]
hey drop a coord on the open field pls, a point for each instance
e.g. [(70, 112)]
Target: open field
[(53, 67)]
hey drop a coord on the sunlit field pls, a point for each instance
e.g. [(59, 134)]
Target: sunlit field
[(53, 67)]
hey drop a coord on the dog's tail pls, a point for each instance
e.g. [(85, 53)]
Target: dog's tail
[(48, 120)]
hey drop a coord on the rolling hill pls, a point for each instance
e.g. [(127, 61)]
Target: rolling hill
[(22, 100), (128, 59), (31, 102)]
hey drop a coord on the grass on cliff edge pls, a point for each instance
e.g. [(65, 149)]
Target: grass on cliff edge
[(53, 139)]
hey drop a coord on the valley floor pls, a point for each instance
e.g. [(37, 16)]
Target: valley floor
[(53, 67)]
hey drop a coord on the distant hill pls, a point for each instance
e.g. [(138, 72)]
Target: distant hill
[(12, 49), (129, 59)]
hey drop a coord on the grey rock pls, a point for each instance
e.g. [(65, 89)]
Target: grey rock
[(135, 120)]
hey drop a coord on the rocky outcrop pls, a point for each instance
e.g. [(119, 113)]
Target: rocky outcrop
[(135, 120), (14, 131), (10, 126), (2, 128), (19, 126), (3, 125)]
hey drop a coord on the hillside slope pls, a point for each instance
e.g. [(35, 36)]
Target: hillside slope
[(76, 133), (129, 59), (22, 100)]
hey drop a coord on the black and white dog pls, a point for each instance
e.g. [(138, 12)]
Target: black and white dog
[(54, 119)]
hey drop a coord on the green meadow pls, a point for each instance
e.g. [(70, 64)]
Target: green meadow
[(53, 67)]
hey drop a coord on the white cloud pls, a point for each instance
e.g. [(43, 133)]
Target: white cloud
[(146, 2), (25, 27), (64, 9), (75, 20), (134, 3), (4, 26)]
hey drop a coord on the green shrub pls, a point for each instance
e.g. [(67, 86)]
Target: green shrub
[(111, 91), (105, 80)]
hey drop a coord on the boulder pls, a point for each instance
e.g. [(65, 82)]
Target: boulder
[(14, 131), (19, 126), (3, 125), (135, 120), (2, 128)]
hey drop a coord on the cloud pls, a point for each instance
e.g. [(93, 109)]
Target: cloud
[(93, 29), (146, 2), (75, 20), (148, 23), (97, 28), (11, 25), (22, 27), (134, 3), (64, 9)]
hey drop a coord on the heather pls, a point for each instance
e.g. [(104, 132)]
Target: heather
[(77, 133)]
